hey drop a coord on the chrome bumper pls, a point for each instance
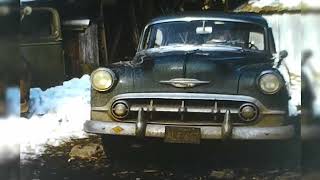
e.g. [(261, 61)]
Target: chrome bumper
[(207, 132)]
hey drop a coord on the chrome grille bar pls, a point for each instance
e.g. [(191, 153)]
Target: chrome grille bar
[(178, 109)]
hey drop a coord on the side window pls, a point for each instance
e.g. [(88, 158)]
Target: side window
[(257, 39), (38, 25), (159, 38), (146, 40)]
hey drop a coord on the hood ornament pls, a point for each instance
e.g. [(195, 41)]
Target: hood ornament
[(184, 82)]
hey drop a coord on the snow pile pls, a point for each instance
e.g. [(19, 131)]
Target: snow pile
[(312, 3), (283, 3), (294, 88), (58, 115), (55, 100), (13, 101), (285, 28), (287, 4)]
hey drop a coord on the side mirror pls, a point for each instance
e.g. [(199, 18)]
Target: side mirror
[(25, 12), (283, 54)]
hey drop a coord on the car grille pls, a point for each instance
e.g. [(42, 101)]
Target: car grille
[(180, 111)]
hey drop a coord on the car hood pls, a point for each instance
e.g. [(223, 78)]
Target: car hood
[(194, 70)]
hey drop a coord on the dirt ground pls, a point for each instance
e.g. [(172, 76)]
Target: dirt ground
[(220, 160)]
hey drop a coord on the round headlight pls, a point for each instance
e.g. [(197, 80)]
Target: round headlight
[(270, 83), (102, 79)]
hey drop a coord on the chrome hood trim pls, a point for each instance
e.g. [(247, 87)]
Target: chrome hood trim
[(184, 82)]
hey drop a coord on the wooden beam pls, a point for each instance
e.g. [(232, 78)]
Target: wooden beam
[(115, 42), (103, 53), (226, 5), (134, 26)]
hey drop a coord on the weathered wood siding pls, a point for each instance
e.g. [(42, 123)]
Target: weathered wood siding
[(81, 51), (88, 46)]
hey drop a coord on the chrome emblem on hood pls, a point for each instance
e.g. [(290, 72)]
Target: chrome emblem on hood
[(184, 82)]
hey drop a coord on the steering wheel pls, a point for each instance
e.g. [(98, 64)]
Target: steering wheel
[(253, 46)]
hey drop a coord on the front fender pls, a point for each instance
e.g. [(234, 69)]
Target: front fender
[(123, 84), (248, 86)]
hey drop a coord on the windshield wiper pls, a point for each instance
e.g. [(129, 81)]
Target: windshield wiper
[(197, 51), (192, 51)]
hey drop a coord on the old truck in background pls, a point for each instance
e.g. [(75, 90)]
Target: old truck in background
[(41, 46), (49, 57)]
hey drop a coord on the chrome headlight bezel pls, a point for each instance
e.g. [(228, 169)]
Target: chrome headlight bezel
[(108, 72), (276, 77)]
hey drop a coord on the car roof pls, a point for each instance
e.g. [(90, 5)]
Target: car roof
[(185, 16)]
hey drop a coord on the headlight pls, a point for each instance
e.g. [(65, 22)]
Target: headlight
[(269, 82), (102, 79)]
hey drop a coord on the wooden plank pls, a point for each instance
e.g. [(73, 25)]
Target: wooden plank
[(71, 49), (88, 46)]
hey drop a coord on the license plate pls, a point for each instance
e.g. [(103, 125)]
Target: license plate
[(185, 135)]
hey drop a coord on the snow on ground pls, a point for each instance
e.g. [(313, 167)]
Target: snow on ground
[(58, 115), (294, 88)]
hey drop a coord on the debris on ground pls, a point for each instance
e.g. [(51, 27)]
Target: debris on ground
[(222, 174), (89, 151)]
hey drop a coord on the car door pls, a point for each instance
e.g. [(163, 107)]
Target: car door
[(41, 46)]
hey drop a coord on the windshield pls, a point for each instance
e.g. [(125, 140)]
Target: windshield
[(37, 24), (205, 33)]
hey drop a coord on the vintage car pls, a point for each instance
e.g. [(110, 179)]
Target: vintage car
[(205, 76)]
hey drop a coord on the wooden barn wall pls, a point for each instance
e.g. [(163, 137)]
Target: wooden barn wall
[(81, 51), (88, 47), (71, 53)]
